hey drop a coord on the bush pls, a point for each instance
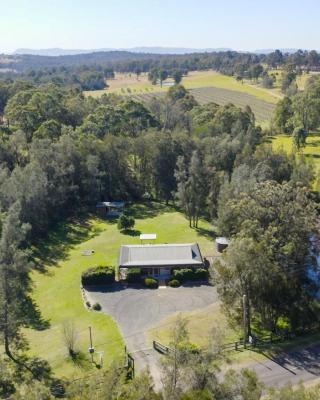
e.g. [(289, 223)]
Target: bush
[(188, 274), (151, 283), (190, 348), (201, 274), (88, 304), (97, 307), (98, 276), (125, 223), (134, 275), (174, 283), (183, 275)]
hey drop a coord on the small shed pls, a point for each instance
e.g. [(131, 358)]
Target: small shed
[(222, 243), (145, 237), (110, 208)]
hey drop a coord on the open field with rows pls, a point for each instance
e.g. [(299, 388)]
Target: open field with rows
[(129, 84), (206, 86), (262, 110)]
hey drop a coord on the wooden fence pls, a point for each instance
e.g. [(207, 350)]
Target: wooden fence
[(161, 348)]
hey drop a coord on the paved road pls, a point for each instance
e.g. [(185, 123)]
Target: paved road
[(295, 366), (138, 309)]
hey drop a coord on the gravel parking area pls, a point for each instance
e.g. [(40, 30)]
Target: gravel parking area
[(138, 309)]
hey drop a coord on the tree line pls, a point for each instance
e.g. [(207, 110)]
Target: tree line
[(89, 71)]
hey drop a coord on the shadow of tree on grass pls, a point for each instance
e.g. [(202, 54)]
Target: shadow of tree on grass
[(207, 233), (80, 360), (33, 316), (131, 232), (148, 209), (63, 238)]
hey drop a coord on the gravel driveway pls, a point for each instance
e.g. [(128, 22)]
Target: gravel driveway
[(138, 309)]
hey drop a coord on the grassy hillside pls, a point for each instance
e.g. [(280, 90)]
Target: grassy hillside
[(57, 282), (311, 150), (206, 86), (125, 84)]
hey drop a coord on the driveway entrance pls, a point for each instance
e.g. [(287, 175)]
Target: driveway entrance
[(136, 310)]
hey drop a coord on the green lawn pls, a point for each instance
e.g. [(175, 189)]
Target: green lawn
[(200, 326), (57, 283)]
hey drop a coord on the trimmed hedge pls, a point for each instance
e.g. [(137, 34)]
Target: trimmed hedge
[(151, 283), (174, 283), (134, 275), (187, 274), (201, 274), (98, 276)]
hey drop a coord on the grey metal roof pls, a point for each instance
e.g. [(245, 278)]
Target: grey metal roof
[(222, 240), (116, 204), (148, 236), (160, 255)]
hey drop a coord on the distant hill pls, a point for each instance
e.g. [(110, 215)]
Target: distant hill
[(55, 52)]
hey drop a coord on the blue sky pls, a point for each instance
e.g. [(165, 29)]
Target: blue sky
[(85, 24)]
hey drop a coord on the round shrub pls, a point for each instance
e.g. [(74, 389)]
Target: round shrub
[(125, 223), (183, 275), (134, 275), (97, 307), (98, 276), (174, 283), (151, 283), (201, 274)]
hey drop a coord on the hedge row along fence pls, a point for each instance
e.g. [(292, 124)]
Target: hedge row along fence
[(98, 276), (188, 274)]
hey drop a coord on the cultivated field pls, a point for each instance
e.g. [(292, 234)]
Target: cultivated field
[(57, 283), (206, 86), (129, 84), (263, 111)]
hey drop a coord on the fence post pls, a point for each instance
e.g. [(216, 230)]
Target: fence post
[(130, 367)]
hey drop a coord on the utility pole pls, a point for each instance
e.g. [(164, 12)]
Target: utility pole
[(244, 304), (91, 348)]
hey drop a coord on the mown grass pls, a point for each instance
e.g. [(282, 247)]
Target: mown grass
[(59, 263), (200, 325)]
